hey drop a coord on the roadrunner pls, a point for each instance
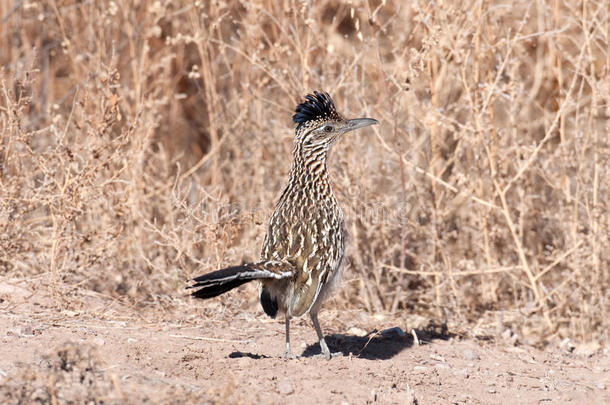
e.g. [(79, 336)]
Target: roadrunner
[(302, 254)]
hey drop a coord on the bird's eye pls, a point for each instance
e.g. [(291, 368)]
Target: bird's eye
[(328, 128)]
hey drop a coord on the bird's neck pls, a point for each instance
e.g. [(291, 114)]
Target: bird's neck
[(309, 173), (311, 160)]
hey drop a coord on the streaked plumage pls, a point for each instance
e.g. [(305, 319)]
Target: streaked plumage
[(303, 251)]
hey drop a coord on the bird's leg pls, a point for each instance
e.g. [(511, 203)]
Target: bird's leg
[(323, 346), (287, 353)]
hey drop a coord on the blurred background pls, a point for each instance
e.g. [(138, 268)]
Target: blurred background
[(146, 142)]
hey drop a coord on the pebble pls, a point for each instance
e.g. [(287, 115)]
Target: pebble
[(420, 369), (566, 344), (470, 354), (285, 387), (587, 349), (461, 373), (354, 331), (437, 358), (393, 331), (70, 313)]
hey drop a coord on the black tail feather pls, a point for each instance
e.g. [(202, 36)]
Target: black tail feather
[(215, 290), (218, 282), (230, 273)]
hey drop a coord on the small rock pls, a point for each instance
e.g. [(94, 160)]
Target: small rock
[(587, 349), (420, 369), (441, 366), (357, 332), (393, 331), (470, 354), (566, 344), (285, 387), (528, 359), (601, 385), (70, 313), (461, 373), (437, 358)]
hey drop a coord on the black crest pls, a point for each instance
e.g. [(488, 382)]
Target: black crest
[(317, 106)]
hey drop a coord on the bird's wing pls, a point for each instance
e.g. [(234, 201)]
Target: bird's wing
[(313, 245)]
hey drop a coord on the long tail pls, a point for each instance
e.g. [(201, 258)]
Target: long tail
[(218, 282)]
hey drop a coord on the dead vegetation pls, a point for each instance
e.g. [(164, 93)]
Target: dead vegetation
[(144, 142), (72, 374), (76, 373)]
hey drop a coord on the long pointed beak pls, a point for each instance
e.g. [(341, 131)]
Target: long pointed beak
[(359, 123)]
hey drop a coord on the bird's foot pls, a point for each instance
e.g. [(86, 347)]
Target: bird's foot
[(326, 352), (289, 355)]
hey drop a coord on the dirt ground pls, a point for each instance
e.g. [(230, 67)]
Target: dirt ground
[(110, 353)]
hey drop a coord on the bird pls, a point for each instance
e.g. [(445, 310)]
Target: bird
[(303, 253)]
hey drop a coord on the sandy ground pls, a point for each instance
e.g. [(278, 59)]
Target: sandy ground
[(105, 352)]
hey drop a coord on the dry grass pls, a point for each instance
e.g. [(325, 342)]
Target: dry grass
[(145, 142), (76, 373)]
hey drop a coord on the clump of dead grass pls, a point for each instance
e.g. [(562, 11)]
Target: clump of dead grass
[(73, 373), (144, 142)]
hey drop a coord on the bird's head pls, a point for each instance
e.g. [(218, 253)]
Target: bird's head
[(320, 125)]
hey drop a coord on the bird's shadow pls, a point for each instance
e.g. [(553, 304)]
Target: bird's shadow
[(375, 345), (379, 345)]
